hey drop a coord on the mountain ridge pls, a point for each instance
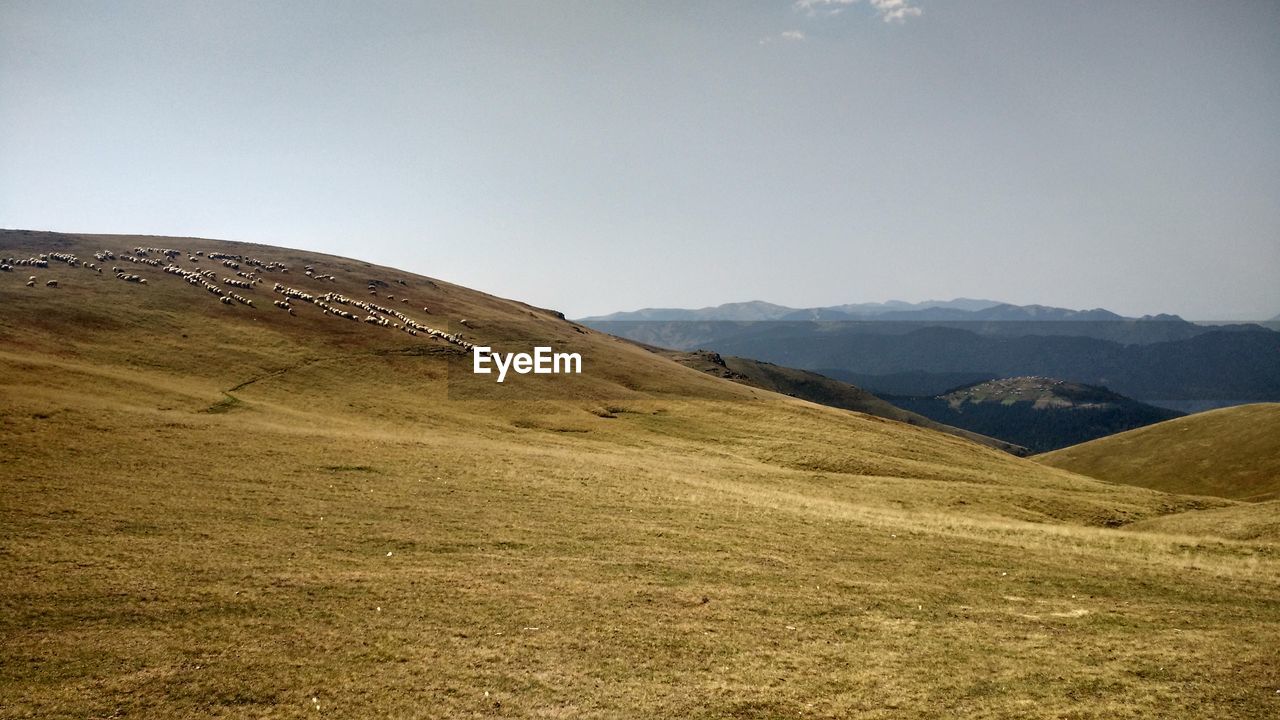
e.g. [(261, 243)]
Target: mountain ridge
[(1039, 413), (1162, 363), (760, 310), (893, 310)]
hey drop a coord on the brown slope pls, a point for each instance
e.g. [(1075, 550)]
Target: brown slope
[(169, 334), (819, 389), (1232, 453), (222, 511), (1250, 522)]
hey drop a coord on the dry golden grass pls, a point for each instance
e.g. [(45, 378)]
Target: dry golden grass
[(351, 532), (1253, 521), (1233, 453)]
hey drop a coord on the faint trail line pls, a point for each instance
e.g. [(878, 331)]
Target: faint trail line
[(282, 371), (422, 351), (410, 351)]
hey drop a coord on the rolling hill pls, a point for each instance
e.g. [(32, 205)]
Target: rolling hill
[(819, 389), (216, 508), (1250, 522), (1231, 453), (1038, 413)]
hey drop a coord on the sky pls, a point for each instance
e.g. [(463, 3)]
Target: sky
[(597, 156)]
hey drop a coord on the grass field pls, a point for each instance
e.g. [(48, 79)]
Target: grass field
[(1232, 452), (1253, 521), (223, 511)]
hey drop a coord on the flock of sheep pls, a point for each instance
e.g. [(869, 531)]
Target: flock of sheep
[(209, 281), (8, 264), (375, 314)]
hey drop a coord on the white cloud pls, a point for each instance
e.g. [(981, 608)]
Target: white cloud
[(888, 10), (784, 36), (895, 10), (823, 7)]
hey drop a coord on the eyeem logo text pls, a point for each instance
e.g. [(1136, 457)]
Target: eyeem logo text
[(541, 362)]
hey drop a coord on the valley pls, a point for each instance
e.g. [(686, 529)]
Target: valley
[(235, 510)]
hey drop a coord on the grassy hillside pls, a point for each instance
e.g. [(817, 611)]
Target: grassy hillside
[(1231, 453), (819, 389), (222, 510), (1249, 521)]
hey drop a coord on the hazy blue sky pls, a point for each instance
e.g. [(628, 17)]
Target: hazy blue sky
[(595, 156)]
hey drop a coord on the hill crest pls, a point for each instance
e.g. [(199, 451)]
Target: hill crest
[(222, 509), (1231, 452), (1042, 392)]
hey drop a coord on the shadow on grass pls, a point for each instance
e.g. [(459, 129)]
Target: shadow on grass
[(226, 404)]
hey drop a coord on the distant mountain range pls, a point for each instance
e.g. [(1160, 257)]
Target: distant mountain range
[(758, 310), (959, 309), (921, 351), (985, 317)]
